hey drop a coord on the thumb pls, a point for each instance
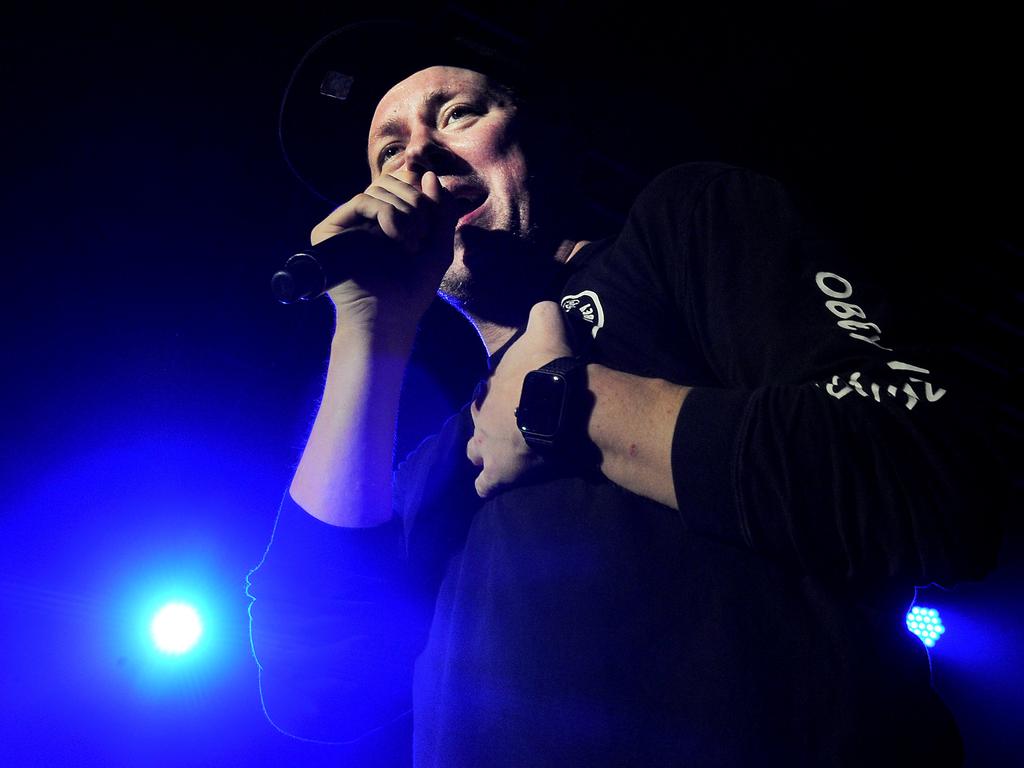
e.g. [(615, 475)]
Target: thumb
[(441, 230), (483, 484), (547, 320), (431, 186)]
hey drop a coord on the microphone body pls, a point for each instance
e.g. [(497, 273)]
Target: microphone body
[(309, 274)]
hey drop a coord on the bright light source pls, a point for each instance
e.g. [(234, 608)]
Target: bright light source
[(926, 624), (176, 628)]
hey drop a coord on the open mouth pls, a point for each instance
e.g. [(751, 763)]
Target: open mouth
[(466, 204), (469, 210), (468, 200)]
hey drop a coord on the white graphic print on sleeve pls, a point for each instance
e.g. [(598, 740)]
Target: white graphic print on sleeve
[(838, 288), (840, 387), (844, 310), (588, 306)]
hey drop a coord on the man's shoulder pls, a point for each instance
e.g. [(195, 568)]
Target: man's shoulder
[(692, 178), (695, 171), (675, 194)]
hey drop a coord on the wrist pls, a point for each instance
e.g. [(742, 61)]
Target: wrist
[(374, 338), (551, 404), (389, 323)]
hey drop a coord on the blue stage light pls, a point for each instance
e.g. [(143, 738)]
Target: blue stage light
[(926, 624), (176, 628)]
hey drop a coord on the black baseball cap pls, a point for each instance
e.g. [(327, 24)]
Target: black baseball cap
[(332, 94)]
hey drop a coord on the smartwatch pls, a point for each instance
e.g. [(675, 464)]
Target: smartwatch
[(551, 399)]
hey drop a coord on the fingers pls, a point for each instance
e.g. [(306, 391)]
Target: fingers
[(443, 198), (401, 210), (482, 484), (403, 190), (431, 186), (446, 216), (405, 212), (479, 395), (407, 228), (500, 467), (473, 452), (388, 197), (491, 480)]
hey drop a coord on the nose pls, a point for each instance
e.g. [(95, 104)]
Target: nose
[(424, 152)]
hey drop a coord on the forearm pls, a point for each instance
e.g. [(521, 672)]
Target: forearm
[(849, 490), (632, 423), (345, 473), (331, 627)]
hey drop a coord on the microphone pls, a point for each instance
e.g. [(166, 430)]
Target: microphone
[(309, 274)]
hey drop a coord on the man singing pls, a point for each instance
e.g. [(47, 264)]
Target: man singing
[(684, 516)]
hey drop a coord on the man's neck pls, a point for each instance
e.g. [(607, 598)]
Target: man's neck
[(495, 335)]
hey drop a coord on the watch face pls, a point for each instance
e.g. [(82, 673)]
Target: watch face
[(540, 406)]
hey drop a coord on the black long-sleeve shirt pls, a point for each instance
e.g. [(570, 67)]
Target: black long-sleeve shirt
[(824, 466)]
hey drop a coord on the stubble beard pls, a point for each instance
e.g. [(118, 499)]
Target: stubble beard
[(496, 275), (477, 292)]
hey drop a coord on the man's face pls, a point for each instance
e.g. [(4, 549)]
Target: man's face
[(454, 122)]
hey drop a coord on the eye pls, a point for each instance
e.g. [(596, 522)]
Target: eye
[(460, 112), (390, 151)]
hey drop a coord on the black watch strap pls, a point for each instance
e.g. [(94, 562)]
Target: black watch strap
[(563, 366)]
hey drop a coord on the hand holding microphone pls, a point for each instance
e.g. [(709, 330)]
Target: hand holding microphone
[(311, 273), (390, 244)]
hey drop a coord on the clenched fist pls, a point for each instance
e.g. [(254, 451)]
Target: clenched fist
[(497, 444), (417, 213)]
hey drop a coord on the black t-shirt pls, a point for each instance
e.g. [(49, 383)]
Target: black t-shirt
[(823, 466)]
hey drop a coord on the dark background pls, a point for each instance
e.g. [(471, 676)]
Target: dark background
[(157, 398)]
